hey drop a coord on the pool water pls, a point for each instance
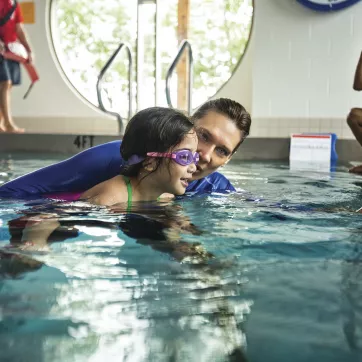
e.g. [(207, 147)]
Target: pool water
[(271, 273)]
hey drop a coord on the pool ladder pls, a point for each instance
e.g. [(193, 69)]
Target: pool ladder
[(185, 44), (100, 83)]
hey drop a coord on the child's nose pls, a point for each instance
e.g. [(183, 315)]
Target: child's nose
[(192, 168)]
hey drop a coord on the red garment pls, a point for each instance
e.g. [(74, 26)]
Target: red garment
[(64, 196), (8, 31)]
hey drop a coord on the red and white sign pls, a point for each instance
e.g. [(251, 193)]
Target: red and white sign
[(311, 149)]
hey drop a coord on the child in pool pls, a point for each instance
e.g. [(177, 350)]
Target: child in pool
[(159, 146)]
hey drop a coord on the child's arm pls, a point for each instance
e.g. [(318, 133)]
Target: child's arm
[(37, 231)]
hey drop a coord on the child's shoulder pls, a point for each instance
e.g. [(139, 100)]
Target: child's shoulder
[(114, 191), (109, 192)]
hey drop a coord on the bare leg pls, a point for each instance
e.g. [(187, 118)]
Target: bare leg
[(7, 124), (2, 126), (354, 121), (354, 118), (357, 84)]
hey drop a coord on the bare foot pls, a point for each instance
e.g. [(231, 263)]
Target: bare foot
[(356, 169), (14, 129), (2, 129)]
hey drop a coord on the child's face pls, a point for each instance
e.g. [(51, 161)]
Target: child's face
[(177, 176)]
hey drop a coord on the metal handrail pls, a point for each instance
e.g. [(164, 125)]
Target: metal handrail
[(100, 82), (184, 44)]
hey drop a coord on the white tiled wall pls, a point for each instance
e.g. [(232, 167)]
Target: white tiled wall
[(296, 76), (284, 127), (303, 68)]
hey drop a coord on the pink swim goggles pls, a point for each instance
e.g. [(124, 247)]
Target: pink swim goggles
[(182, 157)]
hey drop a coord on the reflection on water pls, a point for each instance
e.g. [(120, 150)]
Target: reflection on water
[(121, 297), (261, 275)]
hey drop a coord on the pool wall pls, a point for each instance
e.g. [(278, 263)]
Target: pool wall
[(296, 76)]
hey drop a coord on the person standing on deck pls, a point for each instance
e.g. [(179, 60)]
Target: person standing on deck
[(11, 32)]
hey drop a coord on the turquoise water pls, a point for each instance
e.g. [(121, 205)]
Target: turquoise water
[(276, 275)]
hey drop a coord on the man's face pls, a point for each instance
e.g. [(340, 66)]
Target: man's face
[(218, 136)]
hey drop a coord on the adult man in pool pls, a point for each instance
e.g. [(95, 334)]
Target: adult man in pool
[(354, 119), (221, 125)]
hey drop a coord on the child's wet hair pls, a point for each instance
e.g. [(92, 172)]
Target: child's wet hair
[(155, 129)]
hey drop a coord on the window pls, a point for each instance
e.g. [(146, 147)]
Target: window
[(85, 34)]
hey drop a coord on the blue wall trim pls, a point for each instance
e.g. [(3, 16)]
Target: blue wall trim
[(328, 7)]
